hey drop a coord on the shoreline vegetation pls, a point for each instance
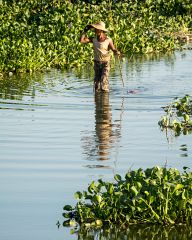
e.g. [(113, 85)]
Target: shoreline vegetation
[(40, 35)]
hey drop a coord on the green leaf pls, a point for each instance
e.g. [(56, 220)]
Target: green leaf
[(146, 192), (111, 189), (183, 195), (186, 117), (67, 208), (66, 223), (134, 190), (117, 177), (178, 186), (72, 223), (98, 222), (66, 215), (151, 199), (78, 195), (99, 198)]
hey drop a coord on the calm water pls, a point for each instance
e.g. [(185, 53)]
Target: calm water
[(56, 136)]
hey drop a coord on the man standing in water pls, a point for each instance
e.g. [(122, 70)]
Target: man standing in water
[(102, 44)]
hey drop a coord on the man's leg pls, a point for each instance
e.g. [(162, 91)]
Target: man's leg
[(98, 74), (105, 77)]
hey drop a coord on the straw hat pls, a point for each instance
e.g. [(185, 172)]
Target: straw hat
[(100, 26)]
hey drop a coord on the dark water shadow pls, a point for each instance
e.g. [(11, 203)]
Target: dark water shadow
[(137, 232)]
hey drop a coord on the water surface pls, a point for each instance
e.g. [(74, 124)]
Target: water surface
[(56, 136)]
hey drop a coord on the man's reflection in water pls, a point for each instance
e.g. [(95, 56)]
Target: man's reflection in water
[(99, 145), (103, 124)]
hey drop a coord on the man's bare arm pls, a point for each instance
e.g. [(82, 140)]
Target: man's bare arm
[(84, 38), (112, 47)]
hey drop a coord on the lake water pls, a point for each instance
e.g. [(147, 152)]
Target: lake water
[(56, 136)]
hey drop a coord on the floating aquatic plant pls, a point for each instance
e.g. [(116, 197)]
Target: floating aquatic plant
[(155, 195), (178, 116), (38, 35)]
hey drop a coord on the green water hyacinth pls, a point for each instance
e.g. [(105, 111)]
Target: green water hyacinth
[(155, 195), (178, 116), (39, 35)]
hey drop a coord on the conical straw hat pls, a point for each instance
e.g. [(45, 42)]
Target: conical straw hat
[(100, 26)]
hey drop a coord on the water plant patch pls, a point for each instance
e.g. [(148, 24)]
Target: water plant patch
[(178, 116), (39, 35), (155, 195)]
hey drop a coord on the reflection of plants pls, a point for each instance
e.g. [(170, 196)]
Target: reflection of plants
[(136, 232), (156, 195), (17, 86), (178, 116)]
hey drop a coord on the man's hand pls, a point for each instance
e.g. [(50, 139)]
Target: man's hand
[(87, 28), (117, 53)]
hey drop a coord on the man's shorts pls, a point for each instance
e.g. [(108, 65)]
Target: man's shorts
[(101, 81)]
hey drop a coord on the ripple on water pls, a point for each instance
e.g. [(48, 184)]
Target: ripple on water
[(56, 136)]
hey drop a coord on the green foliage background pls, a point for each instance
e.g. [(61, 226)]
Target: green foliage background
[(41, 34)]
